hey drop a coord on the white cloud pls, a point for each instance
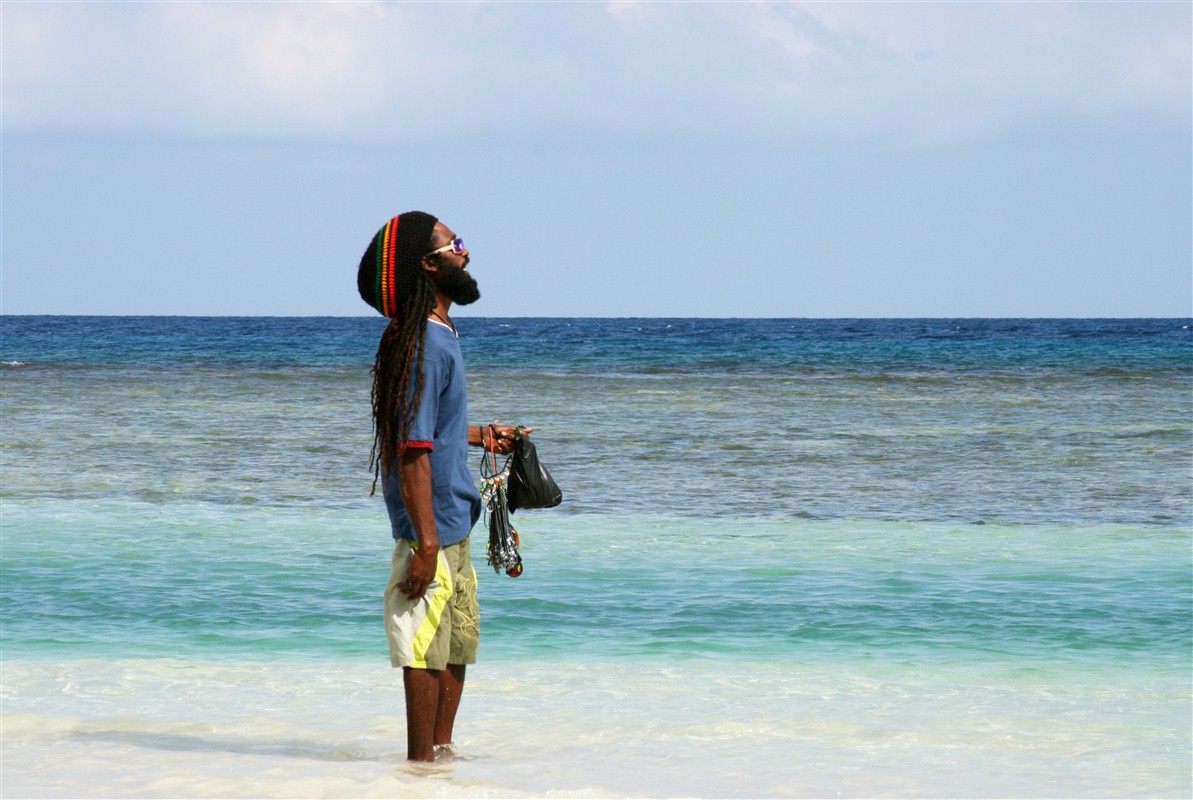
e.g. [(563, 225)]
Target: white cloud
[(372, 70)]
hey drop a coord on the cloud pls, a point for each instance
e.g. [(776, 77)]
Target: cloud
[(374, 71), (203, 68)]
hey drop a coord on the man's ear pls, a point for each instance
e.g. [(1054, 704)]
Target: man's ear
[(431, 267)]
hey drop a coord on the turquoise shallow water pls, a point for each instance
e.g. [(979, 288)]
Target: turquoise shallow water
[(795, 558), (207, 581)]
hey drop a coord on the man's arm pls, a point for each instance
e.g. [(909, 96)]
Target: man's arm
[(414, 476)]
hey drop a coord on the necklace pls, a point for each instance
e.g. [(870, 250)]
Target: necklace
[(444, 320)]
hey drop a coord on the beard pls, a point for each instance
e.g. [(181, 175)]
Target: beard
[(458, 285)]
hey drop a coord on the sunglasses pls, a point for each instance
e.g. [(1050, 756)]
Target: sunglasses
[(456, 246)]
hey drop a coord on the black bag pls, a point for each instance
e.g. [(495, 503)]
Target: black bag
[(530, 485)]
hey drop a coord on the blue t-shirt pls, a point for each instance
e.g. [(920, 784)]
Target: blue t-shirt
[(441, 423)]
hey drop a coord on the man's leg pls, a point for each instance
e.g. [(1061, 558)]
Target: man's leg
[(465, 625), (451, 687), (422, 698)]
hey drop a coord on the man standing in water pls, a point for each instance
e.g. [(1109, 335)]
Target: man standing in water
[(414, 269)]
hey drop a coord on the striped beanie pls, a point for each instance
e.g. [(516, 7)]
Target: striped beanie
[(390, 266)]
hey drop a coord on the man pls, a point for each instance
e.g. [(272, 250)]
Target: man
[(412, 272)]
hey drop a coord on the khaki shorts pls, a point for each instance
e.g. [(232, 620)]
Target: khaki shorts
[(443, 626)]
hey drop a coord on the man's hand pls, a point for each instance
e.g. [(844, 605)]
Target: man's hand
[(422, 571), (501, 439)]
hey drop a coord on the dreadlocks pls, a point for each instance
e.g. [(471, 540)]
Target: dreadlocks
[(392, 280), (399, 358)]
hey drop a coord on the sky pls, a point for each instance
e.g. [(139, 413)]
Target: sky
[(606, 159)]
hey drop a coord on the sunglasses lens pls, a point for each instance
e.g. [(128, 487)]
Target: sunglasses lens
[(458, 246)]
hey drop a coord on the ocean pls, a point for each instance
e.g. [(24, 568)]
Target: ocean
[(795, 558)]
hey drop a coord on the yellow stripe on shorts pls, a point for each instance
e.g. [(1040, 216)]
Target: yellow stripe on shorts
[(430, 623)]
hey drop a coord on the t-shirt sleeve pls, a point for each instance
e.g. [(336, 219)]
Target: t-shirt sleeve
[(422, 430)]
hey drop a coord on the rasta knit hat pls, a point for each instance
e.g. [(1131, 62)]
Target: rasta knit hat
[(390, 266)]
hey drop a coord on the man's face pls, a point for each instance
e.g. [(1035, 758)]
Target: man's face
[(453, 278)]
